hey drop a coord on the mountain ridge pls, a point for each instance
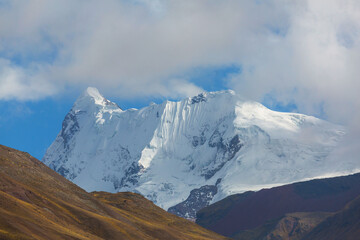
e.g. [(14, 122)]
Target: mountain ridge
[(164, 151)]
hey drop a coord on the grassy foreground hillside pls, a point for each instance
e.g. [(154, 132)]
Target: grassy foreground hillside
[(38, 203)]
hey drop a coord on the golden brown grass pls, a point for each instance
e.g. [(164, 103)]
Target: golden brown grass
[(37, 203)]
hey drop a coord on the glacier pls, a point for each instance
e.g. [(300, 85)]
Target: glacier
[(216, 140)]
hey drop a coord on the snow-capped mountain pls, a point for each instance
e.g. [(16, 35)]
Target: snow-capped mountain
[(211, 145)]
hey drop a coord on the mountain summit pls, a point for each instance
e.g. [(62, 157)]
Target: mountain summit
[(183, 155), (91, 97)]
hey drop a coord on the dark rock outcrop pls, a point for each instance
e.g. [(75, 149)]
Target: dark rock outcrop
[(198, 199)]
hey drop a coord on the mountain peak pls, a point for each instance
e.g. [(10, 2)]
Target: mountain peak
[(204, 95), (92, 96), (219, 93), (92, 91)]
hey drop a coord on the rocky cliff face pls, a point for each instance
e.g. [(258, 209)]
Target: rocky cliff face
[(198, 199), (166, 151)]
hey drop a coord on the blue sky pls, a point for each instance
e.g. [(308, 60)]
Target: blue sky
[(32, 126), (287, 55)]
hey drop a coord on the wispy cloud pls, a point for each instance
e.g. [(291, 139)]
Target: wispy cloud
[(22, 84)]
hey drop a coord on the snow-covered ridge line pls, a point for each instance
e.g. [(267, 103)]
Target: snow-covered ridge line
[(165, 151)]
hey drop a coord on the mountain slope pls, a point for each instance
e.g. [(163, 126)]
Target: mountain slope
[(343, 225), (215, 143), (265, 212), (292, 226), (38, 203)]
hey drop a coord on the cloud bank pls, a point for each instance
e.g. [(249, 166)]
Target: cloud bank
[(306, 52)]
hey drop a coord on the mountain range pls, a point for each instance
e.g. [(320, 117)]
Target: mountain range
[(188, 154)]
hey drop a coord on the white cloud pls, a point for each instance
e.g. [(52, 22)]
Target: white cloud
[(15, 83), (307, 52), (314, 64)]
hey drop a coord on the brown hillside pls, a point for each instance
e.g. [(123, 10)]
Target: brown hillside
[(37, 203), (344, 225), (292, 226), (255, 210)]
